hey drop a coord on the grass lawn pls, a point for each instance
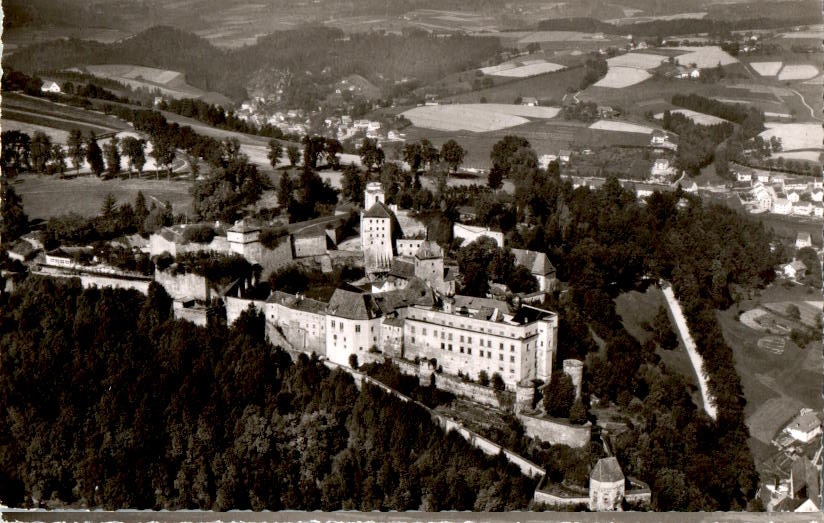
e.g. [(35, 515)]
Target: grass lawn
[(48, 196)]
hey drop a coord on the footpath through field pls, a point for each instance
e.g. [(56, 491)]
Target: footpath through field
[(689, 344)]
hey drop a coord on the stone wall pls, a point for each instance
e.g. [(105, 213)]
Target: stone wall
[(234, 306), (184, 287), (89, 280), (309, 245), (198, 315), (467, 389), (556, 432), (559, 501)]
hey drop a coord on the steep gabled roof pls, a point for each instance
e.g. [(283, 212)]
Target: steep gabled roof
[(353, 304), (378, 210), (429, 249), (402, 269), (476, 304), (536, 262), (607, 470)]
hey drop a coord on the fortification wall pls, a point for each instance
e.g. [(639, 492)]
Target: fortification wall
[(473, 391), (196, 316), (184, 286), (309, 245), (556, 432), (234, 306), (88, 280), (560, 501)]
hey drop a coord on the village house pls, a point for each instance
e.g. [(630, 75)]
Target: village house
[(805, 426), (658, 138), (782, 206), (564, 156), (803, 209), (818, 209), (795, 270), (803, 239), (529, 101), (50, 87), (793, 196), (743, 175)]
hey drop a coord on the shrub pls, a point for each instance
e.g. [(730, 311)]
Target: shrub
[(199, 233)]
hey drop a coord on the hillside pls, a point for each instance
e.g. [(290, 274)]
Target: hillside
[(320, 55)]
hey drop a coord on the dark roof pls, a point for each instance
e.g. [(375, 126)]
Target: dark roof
[(22, 248), (244, 226), (607, 470), (297, 302), (352, 303), (415, 293), (475, 303), (527, 314), (450, 273), (536, 262), (378, 210), (402, 269), (311, 232)]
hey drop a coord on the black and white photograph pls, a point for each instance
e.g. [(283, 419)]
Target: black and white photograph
[(411, 260)]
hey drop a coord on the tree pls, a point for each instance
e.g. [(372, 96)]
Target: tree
[(13, 220), (453, 154), (134, 149), (285, 191), (354, 184), (59, 158), (275, 152), (498, 382), (333, 148), (412, 155), (140, 211), (293, 153), (94, 156), (353, 361), (41, 149), (578, 413), (429, 155), (16, 152), (370, 154), (77, 150), (483, 378), (559, 395), (495, 178), (503, 151), (111, 152), (163, 151)]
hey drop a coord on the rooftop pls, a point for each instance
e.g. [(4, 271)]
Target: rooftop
[(429, 249), (536, 262), (352, 303), (378, 210), (607, 470), (806, 421), (297, 302), (474, 303), (244, 226)]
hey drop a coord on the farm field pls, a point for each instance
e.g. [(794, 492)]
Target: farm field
[(550, 86), (695, 116), (39, 111), (56, 135), (798, 72), (766, 68), (475, 117), (637, 60), (48, 196), (525, 71), (705, 57), (167, 82), (612, 125), (796, 136), (620, 77)]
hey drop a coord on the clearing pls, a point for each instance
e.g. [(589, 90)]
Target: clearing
[(48, 196), (766, 68), (798, 72), (796, 136), (612, 125), (475, 117), (695, 116), (620, 77)]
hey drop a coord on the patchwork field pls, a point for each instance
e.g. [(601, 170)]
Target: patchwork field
[(798, 72), (620, 77), (637, 60), (766, 68), (612, 125), (475, 117), (695, 116), (796, 136), (167, 82), (705, 56)]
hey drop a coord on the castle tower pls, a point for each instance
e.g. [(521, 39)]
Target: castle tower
[(373, 194), (575, 370), (524, 396), (244, 239)]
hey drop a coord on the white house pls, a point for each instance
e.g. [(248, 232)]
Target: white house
[(795, 269), (818, 209), (529, 101), (803, 209), (763, 177), (803, 239), (805, 426), (763, 195), (817, 196), (50, 87), (793, 197), (658, 138), (545, 159), (661, 168), (563, 155), (353, 324), (782, 206), (743, 176)]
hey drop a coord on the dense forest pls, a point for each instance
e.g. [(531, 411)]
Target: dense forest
[(142, 411), (749, 118), (314, 49)]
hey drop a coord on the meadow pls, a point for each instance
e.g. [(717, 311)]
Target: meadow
[(545, 87), (796, 136), (475, 117), (165, 81), (620, 77)]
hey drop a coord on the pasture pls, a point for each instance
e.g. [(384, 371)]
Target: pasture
[(796, 136), (550, 86), (167, 82), (637, 60), (620, 77), (56, 135), (695, 116), (525, 71), (475, 117), (47, 196), (39, 111), (798, 72), (705, 56), (766, 68), (626, 127)]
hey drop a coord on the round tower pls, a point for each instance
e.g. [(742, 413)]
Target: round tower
[(575, 370), (524, 396)]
